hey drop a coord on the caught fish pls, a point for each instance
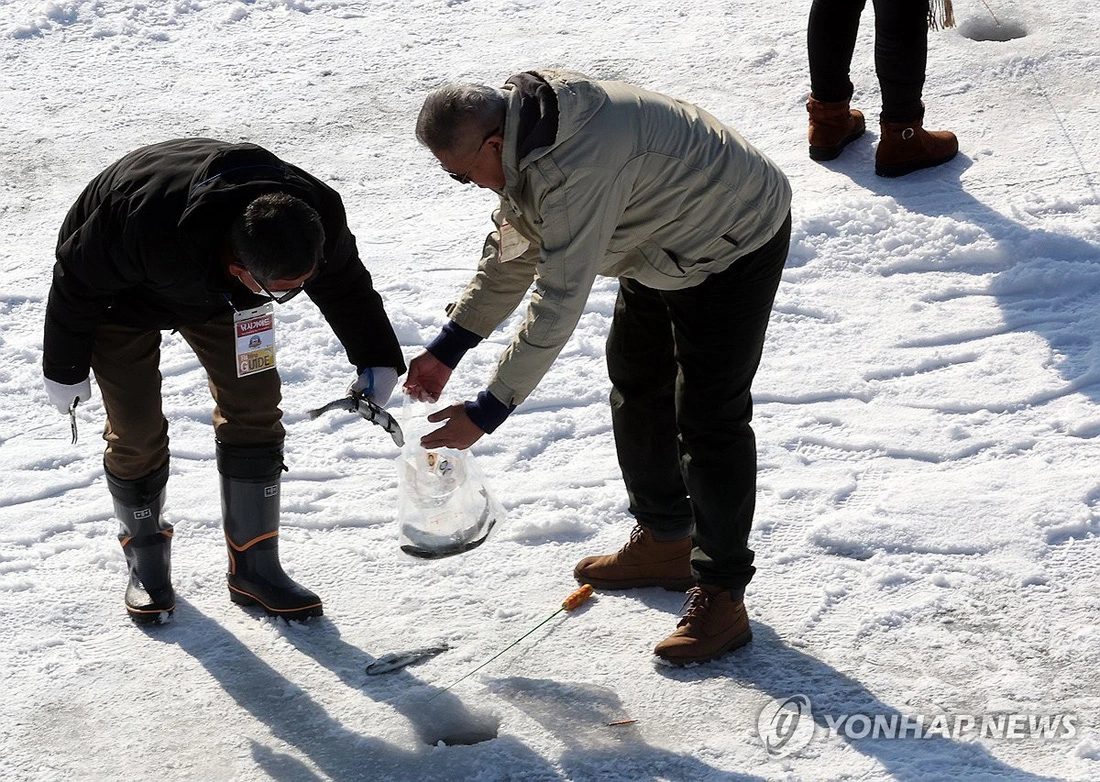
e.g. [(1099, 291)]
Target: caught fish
[(395, 661), (357, 403)]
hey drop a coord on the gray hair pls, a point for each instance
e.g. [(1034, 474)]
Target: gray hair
[(455, 115)]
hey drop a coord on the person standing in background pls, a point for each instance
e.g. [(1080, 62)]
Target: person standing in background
[(901, 50)]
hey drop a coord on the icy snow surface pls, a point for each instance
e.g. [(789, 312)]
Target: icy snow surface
[(928, 418)]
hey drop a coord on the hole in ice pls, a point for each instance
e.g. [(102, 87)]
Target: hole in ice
[(985, 28), (448, 721)]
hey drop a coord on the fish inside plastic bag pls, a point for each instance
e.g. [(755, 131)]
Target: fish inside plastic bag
[(444, 506)]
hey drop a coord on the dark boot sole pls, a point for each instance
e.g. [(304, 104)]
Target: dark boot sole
[(672, 585), (822, 154), (902, 169), (737, 642), (242, 598), (149, 616)]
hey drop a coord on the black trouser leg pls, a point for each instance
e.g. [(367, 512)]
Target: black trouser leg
[(717, 333), (642, 368), (719, 329), (901, 51), (830, 42), (901, 54)]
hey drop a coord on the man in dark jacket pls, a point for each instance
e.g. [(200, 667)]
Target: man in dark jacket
[(203, 237)]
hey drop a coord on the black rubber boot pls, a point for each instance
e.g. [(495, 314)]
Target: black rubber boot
[(250, 510), (147, 543)]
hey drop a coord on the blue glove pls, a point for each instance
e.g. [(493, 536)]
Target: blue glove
[(376, 383)]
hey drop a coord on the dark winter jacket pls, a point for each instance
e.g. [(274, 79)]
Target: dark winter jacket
[(143, 246)]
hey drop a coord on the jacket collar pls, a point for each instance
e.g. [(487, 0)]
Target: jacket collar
[(225, 183), (546, 108), (538, 113)]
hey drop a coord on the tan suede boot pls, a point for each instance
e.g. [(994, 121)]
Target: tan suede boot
[(832, 127), (905, 147), (642, 562), (714, 623)]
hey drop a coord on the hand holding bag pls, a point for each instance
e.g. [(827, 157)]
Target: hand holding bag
[(444, 506)]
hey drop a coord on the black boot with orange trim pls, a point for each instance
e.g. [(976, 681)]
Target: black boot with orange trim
[(147, 543), (250, 478)]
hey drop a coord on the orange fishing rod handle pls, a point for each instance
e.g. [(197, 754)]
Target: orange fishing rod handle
[(578, 597)]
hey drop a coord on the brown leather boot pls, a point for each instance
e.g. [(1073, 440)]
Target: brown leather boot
[(905, 147), (642, 562), (832, 127), (714, 623)]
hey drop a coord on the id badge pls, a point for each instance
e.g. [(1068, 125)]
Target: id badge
[(254, 331), (512, 243)]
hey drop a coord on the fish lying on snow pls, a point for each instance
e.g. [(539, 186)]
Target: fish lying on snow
[(394, 661)]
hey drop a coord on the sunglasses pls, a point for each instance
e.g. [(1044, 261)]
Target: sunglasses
[(464, 179), (282, 297)]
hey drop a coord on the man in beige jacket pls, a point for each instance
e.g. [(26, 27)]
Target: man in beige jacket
[(602, 178)]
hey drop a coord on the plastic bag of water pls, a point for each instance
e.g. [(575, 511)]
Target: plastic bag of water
[(445, 506)]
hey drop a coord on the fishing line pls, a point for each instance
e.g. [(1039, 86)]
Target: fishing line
[(1057, 117)]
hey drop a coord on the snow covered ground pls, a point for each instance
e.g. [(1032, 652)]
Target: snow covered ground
[(928, 418)]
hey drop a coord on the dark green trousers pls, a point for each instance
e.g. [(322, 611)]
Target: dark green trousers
[(681, 365), (126, 362)]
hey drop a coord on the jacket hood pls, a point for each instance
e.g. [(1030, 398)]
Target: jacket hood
[(538, 113), (541, 100), (230, 179)]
